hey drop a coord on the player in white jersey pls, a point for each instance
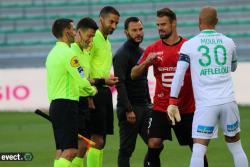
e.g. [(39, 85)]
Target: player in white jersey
[(211, 57)]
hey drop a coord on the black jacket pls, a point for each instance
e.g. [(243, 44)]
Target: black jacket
[(130, 92)]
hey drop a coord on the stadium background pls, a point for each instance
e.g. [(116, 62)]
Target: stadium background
[(25, 40)]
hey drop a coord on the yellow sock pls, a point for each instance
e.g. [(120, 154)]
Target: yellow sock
[(62, 162), (77, 162), (101, 157), (56, 163), (94, 158)]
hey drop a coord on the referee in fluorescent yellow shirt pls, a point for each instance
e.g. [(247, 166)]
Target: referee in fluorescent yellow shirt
[(64, 78), (100, 65), (85, 31)]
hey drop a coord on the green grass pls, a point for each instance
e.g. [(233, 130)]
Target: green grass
[(26, 132)]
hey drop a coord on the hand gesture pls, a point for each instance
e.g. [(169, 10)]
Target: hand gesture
[(173, 114), (131, 118)]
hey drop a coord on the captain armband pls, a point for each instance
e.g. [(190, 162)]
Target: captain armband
[(184, 57)]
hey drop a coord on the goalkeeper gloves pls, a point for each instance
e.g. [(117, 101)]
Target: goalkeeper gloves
[(173, 111)]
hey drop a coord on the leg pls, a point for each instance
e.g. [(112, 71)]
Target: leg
[(204, 127), (159, 130), (69, 154), (155, 146), (235, 148), (128, 134), (230, 123), (65, 134), (143, 129), (143, 126), (205, 157), (57, 156), (82, 125), (82, 149), (95, 154), (183, 132), (199, 150), (101, 124)]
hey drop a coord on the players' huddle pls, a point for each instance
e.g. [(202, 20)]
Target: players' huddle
[(187, 99)]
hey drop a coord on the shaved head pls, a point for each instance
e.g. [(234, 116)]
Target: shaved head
[(208, 16)]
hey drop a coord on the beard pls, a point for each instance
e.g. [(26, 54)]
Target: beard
[(71, 39), (165, 36), (134, 39)]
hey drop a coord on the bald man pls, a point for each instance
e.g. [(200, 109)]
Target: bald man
[(211, 57)]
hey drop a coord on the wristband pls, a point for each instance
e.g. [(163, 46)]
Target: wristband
[(173, 101), (99, 81)]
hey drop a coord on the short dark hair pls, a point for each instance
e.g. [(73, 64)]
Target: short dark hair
[(167, 12), (130, 19), (86, 23), (59, 25), (107, 10)]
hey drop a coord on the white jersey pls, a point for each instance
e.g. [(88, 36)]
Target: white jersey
[(211, 55)]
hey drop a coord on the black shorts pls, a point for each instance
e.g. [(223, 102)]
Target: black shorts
[(63, 115), (159, 126), (183, 129), (83, 119), (102, 117)]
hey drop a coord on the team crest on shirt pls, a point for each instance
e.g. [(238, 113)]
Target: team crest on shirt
[(74, 62)]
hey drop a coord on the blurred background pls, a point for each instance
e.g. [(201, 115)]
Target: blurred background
[(25, 40)]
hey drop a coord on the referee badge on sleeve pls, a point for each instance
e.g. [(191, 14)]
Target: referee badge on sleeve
[(74, 62)]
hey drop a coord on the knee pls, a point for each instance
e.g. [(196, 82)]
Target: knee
[(58, 154), (232, 139), (82, 148), (155, 143), (100, 143), (69, 154)]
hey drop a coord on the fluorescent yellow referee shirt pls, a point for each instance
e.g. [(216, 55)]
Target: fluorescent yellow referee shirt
[(101, 56), (84, 61), (65, 75)]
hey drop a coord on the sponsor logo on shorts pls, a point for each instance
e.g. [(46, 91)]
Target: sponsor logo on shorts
[(233, 127), (205, 129)]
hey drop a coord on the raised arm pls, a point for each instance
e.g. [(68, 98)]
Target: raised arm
[(143, 64)]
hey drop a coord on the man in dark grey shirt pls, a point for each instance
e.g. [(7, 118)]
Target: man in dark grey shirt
[(133, 95)]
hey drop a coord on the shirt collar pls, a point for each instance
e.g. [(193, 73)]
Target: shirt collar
[(76, 47), (208, 31), (62, 44), (99, 33)]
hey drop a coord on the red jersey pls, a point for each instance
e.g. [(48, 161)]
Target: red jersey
[(164, 68)]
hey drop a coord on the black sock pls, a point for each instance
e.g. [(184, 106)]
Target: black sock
[(152, 158)]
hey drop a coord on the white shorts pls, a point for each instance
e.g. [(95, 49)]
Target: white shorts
[(206, 119)]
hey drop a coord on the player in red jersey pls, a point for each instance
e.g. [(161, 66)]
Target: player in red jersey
[(163, 55)]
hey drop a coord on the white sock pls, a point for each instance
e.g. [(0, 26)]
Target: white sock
[(197, 159), (239, 156)]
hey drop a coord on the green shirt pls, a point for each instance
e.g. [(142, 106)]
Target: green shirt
[(101, 56), (84, 60), (64, 74)]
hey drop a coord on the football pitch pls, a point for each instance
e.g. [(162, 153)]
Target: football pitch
[(27, 132)]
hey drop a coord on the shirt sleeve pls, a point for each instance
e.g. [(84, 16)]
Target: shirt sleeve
[(120, 64), (234, 59), (144, 56), (182, 66), (76, 71)]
